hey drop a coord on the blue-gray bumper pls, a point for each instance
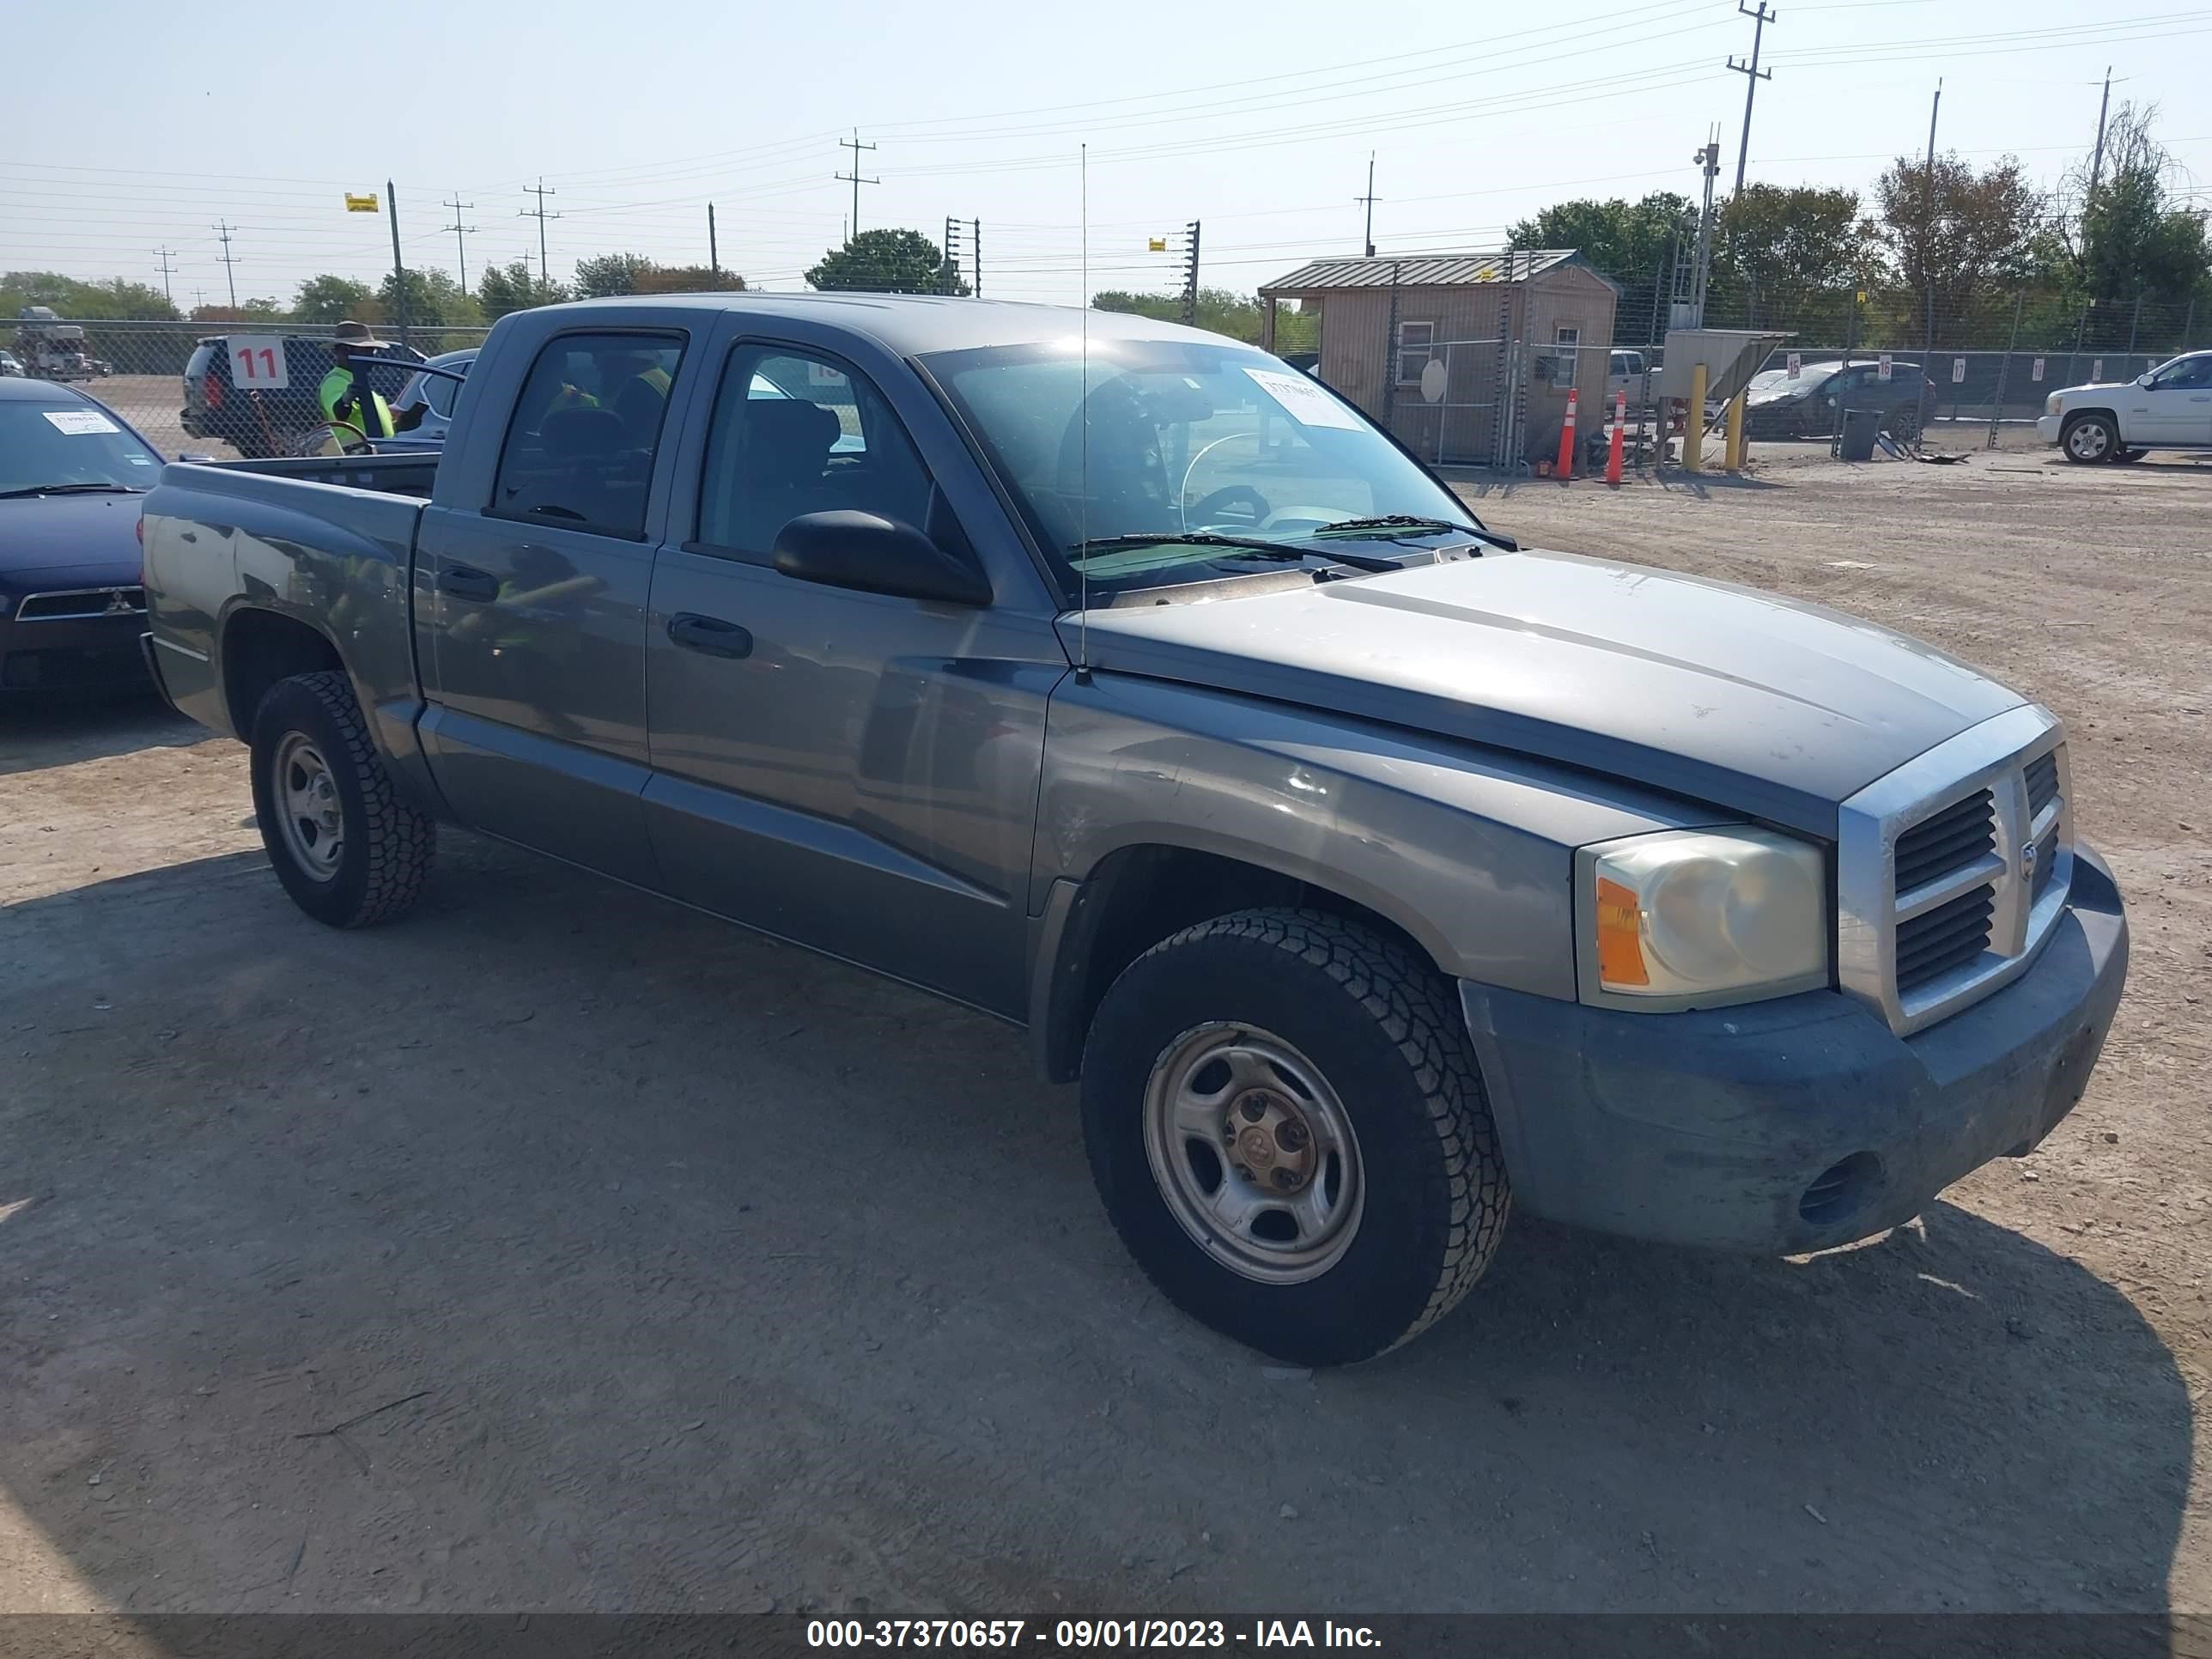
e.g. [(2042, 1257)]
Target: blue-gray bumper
[(1796, 1124)]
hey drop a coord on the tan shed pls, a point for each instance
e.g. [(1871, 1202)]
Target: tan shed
[(1466, 358)]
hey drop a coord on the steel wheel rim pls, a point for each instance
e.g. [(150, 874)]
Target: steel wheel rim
[(1253, 1153), (309, 812), (2087, 442)]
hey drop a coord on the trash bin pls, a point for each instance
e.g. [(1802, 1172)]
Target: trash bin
[(1860, 426)]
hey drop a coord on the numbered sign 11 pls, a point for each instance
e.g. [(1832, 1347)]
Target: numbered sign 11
[(256, 363)]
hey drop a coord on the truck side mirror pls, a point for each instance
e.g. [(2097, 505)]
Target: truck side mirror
[(875, 554)]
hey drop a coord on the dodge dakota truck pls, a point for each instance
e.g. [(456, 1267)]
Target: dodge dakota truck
[(1370, 872)]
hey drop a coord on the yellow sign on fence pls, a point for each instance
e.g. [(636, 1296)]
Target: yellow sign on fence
[(1158, 245), (361, 203)]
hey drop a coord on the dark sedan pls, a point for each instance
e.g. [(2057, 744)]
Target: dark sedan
[(1781, 404), (71, 475)]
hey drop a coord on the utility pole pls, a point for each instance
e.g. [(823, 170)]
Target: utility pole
[(229, 260), (1928, 243), (952, 254), (1190, 277), (854, 178), (165, 254), (1708, 159), (1753, 75), (2097, 165), (539, 214), (460, 230), (1368, 241), (398, 270), (976, 253), (713, 253)]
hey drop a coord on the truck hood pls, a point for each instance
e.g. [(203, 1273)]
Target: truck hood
[(1721, 694)]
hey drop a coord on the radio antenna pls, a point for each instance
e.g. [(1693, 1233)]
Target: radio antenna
[(1083, 501)]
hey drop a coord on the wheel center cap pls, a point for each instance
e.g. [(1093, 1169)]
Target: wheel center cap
[(1256, 1147)]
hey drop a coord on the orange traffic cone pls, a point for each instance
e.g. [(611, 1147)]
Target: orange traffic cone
[(1613, 454), (1566, 470)]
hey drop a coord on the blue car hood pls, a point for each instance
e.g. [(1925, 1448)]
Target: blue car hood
[(96, 535)]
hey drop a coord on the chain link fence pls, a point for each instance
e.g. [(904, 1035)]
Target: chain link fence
[(229, 390)]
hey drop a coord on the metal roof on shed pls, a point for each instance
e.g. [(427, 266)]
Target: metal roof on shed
[(1419, 271)]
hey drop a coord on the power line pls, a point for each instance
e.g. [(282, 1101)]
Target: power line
[(1369, 240), (165, 255), (539, 214), (460, 230), (853, 144), (1752, 77), (229, 261)]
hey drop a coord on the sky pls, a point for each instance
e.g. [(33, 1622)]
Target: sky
[(1257, 122)]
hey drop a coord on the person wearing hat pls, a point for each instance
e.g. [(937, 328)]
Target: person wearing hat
[(335, 397)]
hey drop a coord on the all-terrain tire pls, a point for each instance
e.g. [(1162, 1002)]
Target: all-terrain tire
[(1381, 1027), (386, 847)]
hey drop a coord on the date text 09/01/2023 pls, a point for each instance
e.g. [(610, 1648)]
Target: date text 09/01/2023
[(1084, 1633)]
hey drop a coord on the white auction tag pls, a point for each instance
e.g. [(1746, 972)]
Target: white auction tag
[(2037, 375), (1882, 373), (1303, 401), (1958, 370), (1796, 362), (79, 422), (257, 362)]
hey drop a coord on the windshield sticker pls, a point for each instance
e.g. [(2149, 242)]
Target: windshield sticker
[(139, 460), (1301, 400), (79, 422)]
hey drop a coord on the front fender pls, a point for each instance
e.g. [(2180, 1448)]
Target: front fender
[(1470, 852)]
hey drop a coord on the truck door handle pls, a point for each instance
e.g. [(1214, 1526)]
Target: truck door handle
[(710, 634), (463, 583)]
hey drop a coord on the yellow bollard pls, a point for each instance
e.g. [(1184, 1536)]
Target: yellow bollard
[(1735, 462), (1693, 423)]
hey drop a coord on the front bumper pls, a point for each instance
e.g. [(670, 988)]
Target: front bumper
[(1797, 1124), (93, 653), (2046, 426)]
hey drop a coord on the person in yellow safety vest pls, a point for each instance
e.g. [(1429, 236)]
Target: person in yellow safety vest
[(334, 398), (640, 393)]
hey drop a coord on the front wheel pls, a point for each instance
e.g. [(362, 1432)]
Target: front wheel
[(349, 851), (1288, 1130), (2089, 439)]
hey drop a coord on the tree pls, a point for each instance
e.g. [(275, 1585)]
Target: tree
[(76, 300), (688, 279), (606, 274), (2134, 241), (1791, 256), (515, 287), (329, 299), (888, 262), (1220, 311), (1635, 243), (1960, 241), (253, 311), (433, 299)]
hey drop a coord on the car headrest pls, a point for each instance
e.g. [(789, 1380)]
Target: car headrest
[(788, 432)]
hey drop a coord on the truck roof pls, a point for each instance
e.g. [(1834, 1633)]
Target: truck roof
[(913, 323)]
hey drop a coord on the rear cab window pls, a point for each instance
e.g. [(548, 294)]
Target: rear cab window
[(587, 429)]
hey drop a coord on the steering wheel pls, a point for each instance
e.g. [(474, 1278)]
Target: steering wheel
[(1253, 501)]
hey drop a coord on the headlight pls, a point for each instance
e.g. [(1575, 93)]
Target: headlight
[(2050, 404), (1702, 917)]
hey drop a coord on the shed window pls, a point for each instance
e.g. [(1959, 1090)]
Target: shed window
[(1415, 343)]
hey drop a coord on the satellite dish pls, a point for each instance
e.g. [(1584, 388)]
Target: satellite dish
[(1432, 380)]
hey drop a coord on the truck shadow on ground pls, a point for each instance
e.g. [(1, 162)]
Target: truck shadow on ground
[(35, 735), (1696, 486), (639, 1262)]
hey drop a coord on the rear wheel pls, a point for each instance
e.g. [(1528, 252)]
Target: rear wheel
[(349, 851), (2089, 439), (1286, 1125)]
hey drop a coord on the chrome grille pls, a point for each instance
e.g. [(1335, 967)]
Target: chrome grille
[(75, 604), (1953, 870)]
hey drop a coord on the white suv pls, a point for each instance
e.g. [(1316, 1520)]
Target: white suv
[(2169, 408)]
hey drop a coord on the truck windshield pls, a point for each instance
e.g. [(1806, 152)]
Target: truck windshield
[(1169, 439), (62, 445)]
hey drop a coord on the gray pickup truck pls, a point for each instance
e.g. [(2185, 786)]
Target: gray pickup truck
[(1371, 873)]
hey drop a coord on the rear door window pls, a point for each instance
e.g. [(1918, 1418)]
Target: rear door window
[(586, 431)]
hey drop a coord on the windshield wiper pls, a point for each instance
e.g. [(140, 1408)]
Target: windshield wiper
[(71, 489), (1248, 546)]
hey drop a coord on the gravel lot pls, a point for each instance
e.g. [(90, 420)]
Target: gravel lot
[(558, 1248)]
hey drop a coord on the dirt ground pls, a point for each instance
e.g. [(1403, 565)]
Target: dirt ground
[(557, 1248)]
